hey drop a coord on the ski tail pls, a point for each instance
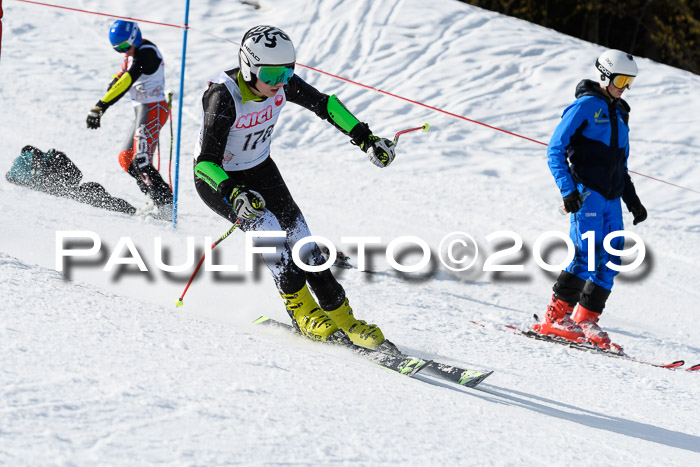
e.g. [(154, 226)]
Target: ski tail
[(399, 363)]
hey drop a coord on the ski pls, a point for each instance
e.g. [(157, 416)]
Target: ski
[(466, 378), (389, 356), (588, 347), (402, 364)]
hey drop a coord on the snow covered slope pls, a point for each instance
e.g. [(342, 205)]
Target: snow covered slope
[(104, 369)]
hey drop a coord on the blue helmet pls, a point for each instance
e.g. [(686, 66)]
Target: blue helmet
[(124, 34)]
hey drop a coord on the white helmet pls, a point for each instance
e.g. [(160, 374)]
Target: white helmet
[(264, 46), (613, 63)]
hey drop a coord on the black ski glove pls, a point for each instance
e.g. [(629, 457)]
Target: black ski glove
[(93, 118), (573, 201), (246, 204), (639, 212)]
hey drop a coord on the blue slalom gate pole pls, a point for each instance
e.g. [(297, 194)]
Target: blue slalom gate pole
[(179, 114)]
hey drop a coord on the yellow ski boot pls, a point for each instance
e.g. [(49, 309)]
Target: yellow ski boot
[(308, 317), (361, 334)]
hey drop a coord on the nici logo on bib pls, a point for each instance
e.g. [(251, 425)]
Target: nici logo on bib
[(254, 118)]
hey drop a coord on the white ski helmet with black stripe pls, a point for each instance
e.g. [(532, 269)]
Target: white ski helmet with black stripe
[(614, 62), (264, 45)]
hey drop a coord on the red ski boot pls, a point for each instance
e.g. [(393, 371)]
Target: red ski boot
[(588, 321), (557, 322)]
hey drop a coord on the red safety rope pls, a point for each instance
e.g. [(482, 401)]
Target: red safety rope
[(103, 14), (396, 96)]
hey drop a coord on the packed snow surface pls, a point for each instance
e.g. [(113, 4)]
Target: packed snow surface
[(99, 367)]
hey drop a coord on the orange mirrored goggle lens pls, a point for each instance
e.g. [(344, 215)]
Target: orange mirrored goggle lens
[(623, 81)]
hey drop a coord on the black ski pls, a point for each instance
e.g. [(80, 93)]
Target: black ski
[(389, 356)]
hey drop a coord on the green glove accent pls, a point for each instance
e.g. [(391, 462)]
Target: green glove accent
[(340, 115), (211, 173)]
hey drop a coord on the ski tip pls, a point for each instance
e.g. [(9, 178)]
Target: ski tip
[(482, 378), (261, 320), (471, 378), (694, 368), (675, 364)]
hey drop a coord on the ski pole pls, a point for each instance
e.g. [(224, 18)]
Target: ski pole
[(423, 127), (170, 117), (199, 265)]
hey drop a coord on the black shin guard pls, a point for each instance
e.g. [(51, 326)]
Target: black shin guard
[(329, 293), (152, 184), (568, 287), (593, 297)]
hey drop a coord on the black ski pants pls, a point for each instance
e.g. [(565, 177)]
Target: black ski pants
[(282, 213)]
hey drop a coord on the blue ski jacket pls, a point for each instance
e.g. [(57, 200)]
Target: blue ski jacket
[(591, 145)]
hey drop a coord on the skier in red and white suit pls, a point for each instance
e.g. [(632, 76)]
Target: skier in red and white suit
[(143, 77)]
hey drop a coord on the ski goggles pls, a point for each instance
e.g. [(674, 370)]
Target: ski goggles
[(274, 75), (622, 81), (123, 47)]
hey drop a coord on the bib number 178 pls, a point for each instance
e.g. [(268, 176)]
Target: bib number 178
[(257, 137)]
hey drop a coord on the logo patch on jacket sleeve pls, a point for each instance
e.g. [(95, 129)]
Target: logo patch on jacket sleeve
[(601, 119)]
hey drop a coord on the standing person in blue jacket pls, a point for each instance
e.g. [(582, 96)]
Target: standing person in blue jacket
[(588, 159)]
